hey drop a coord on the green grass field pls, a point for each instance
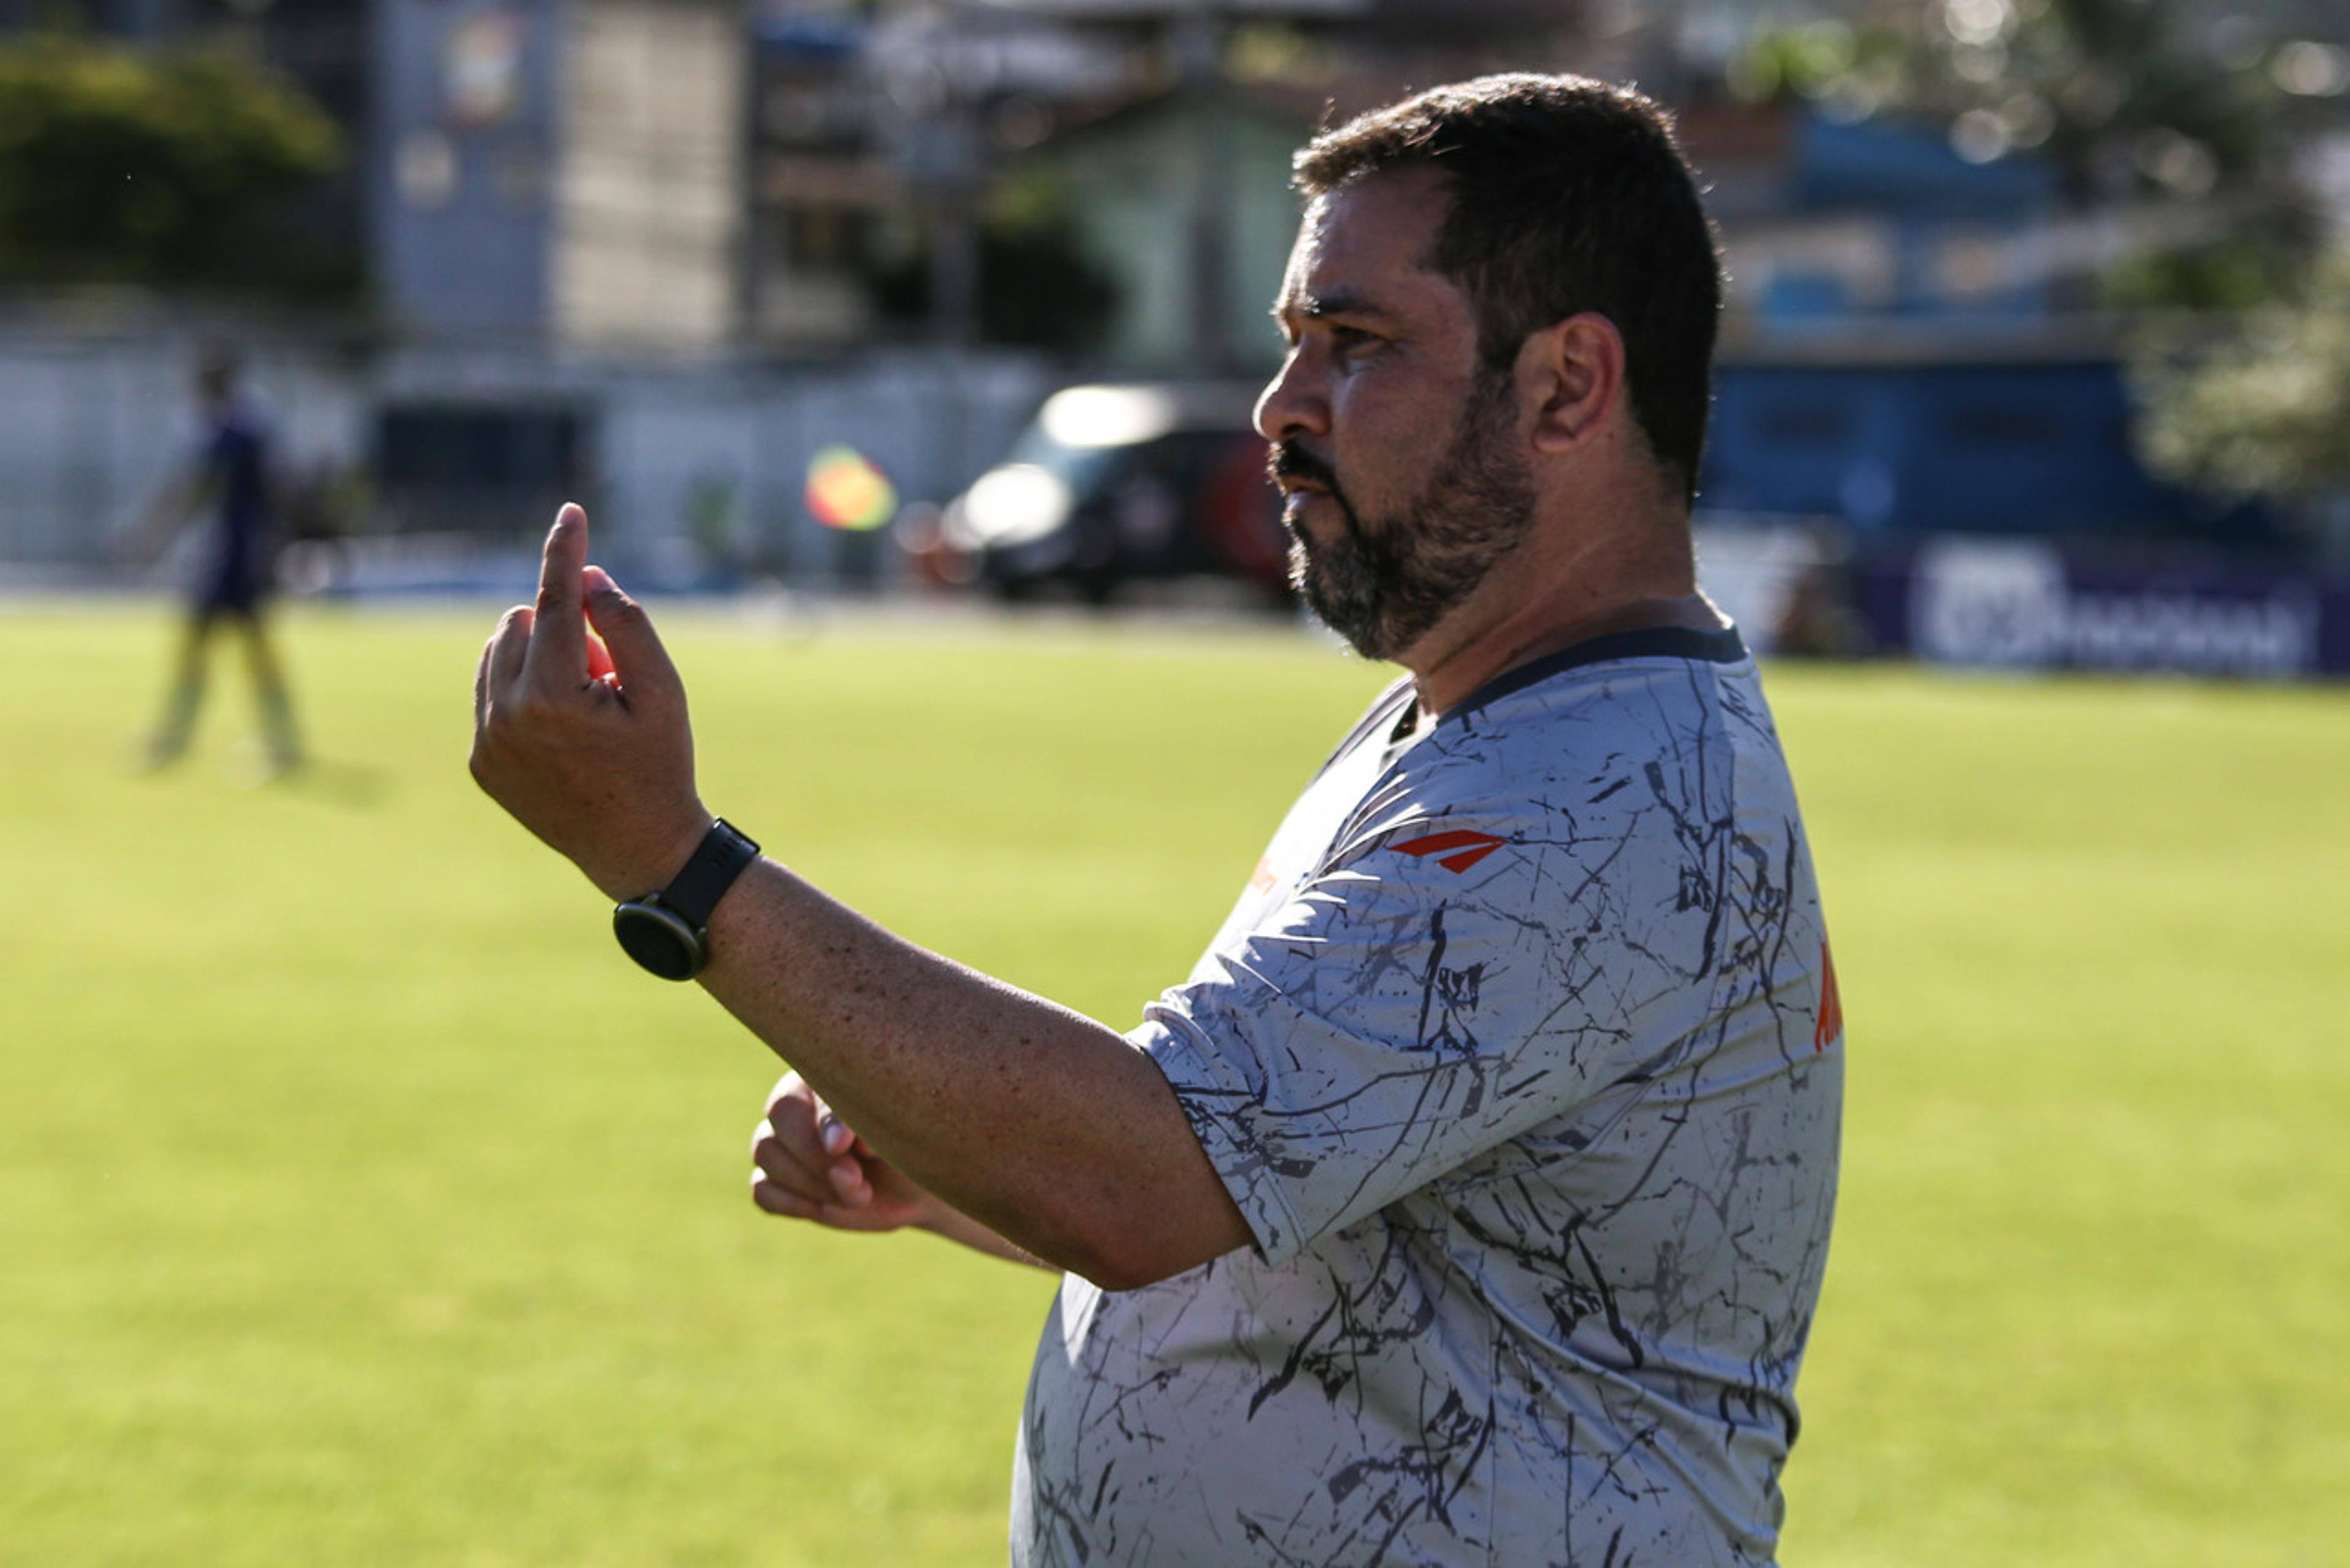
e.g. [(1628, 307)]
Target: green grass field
[(360, 1205)]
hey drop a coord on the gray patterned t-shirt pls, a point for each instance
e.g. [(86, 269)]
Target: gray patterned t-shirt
[(1520, 1055)]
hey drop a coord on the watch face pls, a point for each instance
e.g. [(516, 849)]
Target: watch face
[(659, 940)]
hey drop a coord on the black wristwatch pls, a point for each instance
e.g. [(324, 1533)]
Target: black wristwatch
[(668, 932)]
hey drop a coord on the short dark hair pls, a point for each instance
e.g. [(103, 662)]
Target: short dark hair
[(1567, 195)]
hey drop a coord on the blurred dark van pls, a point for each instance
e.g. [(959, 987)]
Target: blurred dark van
[(1114, 484)]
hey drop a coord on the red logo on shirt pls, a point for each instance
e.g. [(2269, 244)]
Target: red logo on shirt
[(1459, 848), (1831, 1023)]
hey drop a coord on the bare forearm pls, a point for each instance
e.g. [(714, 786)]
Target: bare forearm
[(1046, 1128)]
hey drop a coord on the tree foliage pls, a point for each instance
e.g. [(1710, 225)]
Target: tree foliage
[(2125, 96), (2263, 413), (2143, 102), (118, 165)]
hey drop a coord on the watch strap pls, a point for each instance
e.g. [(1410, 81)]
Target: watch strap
[(723, 853)]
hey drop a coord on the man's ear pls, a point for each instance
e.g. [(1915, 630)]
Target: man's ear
[(1570, 375)]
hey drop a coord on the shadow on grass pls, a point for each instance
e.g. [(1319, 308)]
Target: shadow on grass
[(356, 785)]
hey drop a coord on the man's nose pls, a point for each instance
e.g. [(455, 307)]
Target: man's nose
[(1294, 402)]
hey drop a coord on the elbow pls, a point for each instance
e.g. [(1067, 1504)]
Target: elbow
[(1117, 1274), (1131, 1261), (1101, 1261), (1122, 1239)]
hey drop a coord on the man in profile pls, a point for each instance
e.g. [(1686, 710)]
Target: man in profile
[(227, 480), (1469, 1202)]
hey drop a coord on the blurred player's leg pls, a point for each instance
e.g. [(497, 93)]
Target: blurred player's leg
[(276, 703), (169, 742)]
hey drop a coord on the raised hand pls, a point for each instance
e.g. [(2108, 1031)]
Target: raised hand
[(579, 724)]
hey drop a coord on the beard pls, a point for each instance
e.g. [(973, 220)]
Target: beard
[(1381, 588)]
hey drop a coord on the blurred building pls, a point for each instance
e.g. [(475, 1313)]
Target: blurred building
[(1827, 222), (822, 185), (567, 172), (875, 137), (1183, 199), (1160, 131)]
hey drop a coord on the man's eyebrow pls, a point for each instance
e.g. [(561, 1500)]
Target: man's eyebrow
[(1316, 307)]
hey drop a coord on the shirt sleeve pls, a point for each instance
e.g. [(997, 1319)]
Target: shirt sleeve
[(1409, 1008)]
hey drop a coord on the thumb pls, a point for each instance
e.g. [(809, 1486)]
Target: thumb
[(638, 658)]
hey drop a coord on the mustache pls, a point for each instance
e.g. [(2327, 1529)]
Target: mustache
[(1288, 459)]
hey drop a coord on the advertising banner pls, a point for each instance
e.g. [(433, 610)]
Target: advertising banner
[(2022, 604)]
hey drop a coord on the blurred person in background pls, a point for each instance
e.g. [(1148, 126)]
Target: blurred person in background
[(1469, 1202), (226, 481)]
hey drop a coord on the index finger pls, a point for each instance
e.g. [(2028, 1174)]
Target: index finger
[(558, 638)]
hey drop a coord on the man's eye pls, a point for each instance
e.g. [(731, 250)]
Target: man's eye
[(1351, 338)]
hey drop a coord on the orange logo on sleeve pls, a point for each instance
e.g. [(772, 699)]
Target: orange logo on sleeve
[(1831, 1023), (1459, 848)]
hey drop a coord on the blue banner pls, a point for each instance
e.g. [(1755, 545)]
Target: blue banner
[(2024, 604)]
